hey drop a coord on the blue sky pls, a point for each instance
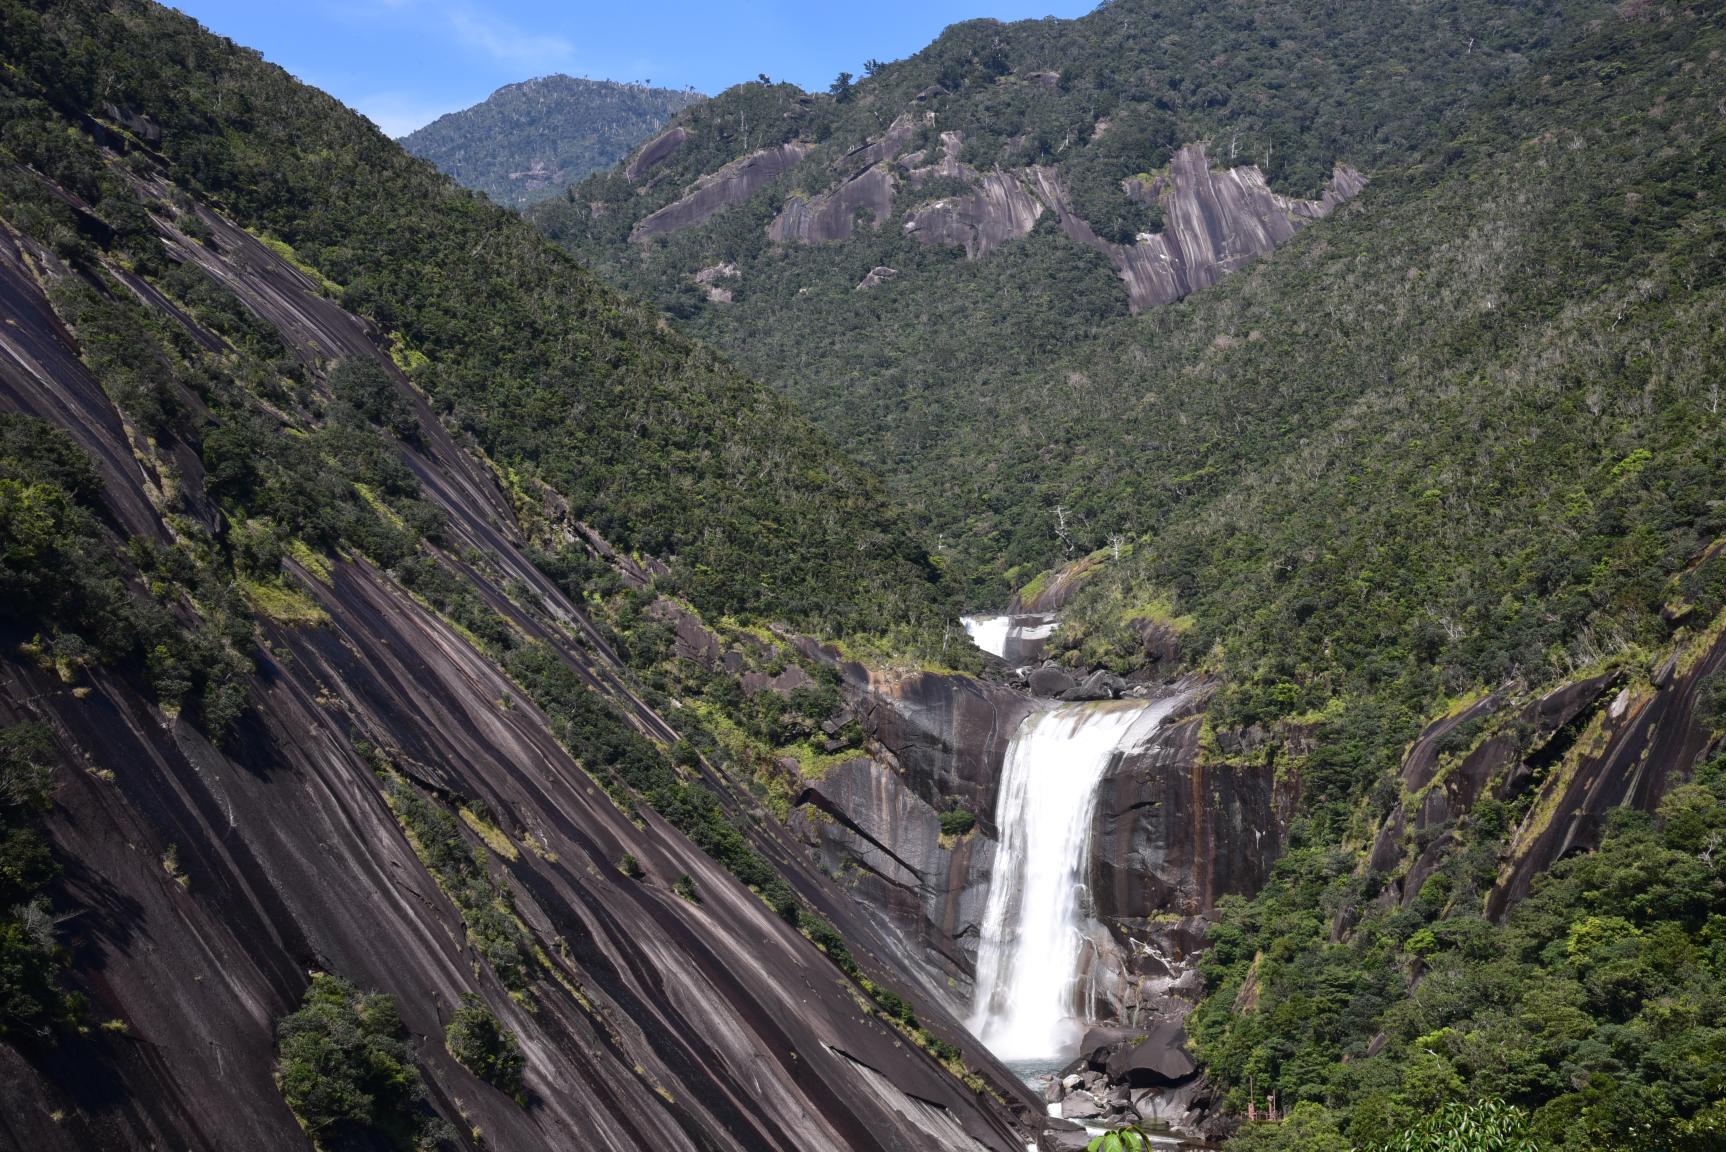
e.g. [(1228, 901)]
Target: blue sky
[(406, 62)]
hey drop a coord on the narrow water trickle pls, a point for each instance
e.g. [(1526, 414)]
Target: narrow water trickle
[(1027, 1005)]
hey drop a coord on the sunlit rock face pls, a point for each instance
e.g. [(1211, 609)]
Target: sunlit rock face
[(655, 151), (717, 191), (649, 1021), (1216, 220), (832, 215)]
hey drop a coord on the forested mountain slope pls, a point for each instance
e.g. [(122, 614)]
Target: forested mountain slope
[(327, 811), (915, 258), (532, 140), (1433, 497), (1454, 469)]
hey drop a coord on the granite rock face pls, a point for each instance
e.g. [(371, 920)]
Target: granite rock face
[(717, 191), (1216, 220), (1652, 740), (1582, 748), (655, 152), (925, 890), (677, 1025), (936, 744), (1171, 835), (833, 215), (1000, 207), (946, 735)]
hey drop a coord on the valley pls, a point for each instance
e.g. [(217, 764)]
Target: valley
[(1163, 571)]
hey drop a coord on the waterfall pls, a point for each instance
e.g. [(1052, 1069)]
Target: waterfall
[(988, 632), (1013, 638), (1037, 919)]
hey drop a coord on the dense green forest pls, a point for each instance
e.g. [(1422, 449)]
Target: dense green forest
[(119, 132), (953, 363), (1597, 1005), (1466, 433), (654, 441), (1468, 436), (528, 141)]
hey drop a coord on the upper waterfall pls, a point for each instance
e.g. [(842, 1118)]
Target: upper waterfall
[(1037, 918), (1013, 638)]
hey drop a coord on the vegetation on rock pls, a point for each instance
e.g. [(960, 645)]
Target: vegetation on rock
[(483, 1046), (346, 1070)]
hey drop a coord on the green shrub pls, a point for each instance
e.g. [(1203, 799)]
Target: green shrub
[(1482, 1126), (957, 822), (685, 887), (459, 867), (29, 956), (483, 1046), (1711, 701), (345, 1068)]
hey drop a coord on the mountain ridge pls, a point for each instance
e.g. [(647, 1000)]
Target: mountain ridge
[(531, 139)]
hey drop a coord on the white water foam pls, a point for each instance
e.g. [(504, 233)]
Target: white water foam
[(1038, 916), (993, 634)]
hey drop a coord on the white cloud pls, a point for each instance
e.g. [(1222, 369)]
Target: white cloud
[(503, 41), (469, 27)]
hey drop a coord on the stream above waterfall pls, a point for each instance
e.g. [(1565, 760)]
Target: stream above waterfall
[(1029, 1003)]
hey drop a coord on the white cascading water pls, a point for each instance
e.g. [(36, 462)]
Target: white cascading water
[(988, 632), (997, 634), (1026, 1006)]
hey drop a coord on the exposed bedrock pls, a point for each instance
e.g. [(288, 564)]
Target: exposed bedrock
[(833, 215), (946, 736), (656, 1022), (1582, 748), (1169, 837), (1051, 590), (923, 889), (1652, 740), (726, 188), (1000, 207), (1171, 834), (937, 744), (889, 145), (1216, 220), (655, 151)]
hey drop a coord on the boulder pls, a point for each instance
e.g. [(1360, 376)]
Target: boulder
[(1050, 680), (1101, 1040), (1160, 1059), (1099, 685), (879, 274), (1081, 1105)]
